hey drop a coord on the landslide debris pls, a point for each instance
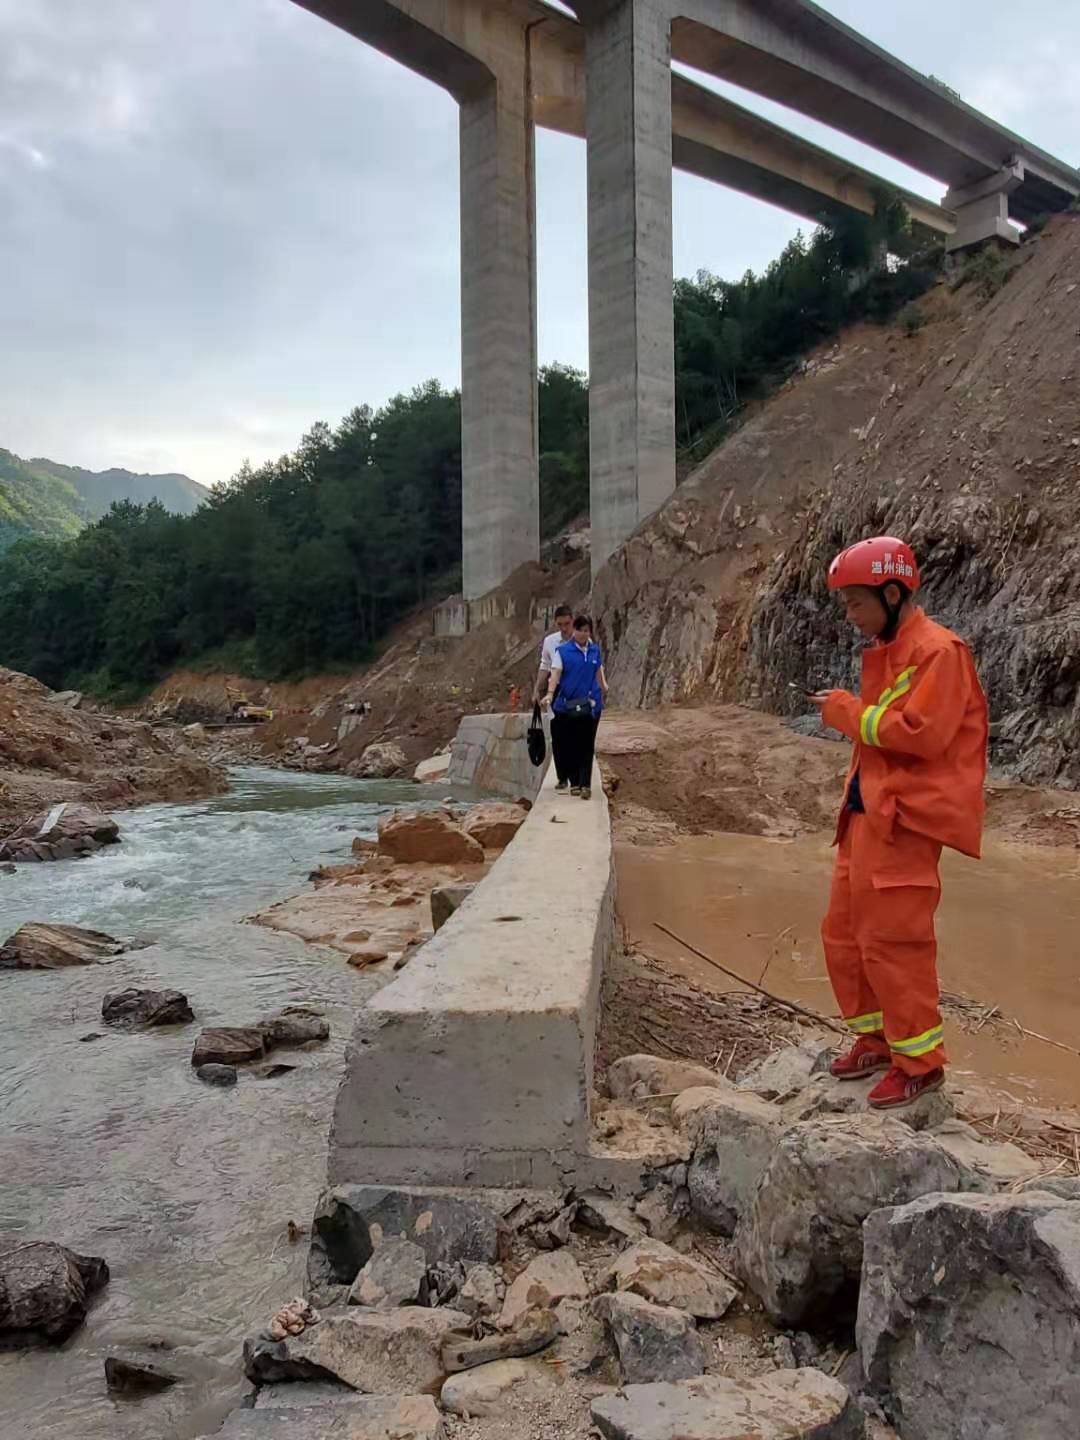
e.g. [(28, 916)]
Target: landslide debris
[(51, 753)]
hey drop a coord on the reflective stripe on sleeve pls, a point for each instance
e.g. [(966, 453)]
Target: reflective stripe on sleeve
[(871, 716)]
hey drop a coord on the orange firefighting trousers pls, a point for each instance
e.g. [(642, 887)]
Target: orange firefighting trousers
[(880, 947)]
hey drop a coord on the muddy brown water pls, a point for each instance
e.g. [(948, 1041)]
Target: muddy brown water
[(1008, 931), (114, 1148)]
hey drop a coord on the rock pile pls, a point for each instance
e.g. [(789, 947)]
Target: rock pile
[(66, 832)]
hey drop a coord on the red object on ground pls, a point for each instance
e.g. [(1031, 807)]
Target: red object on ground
[(898, 1088), (869, 1053)]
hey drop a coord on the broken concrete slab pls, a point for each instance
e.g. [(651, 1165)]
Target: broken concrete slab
[(800, 1243), (661, 1275), (394, 1276), (497, 1388), (379, 1352), (364, 1417), (633, 1077), (653, 1342), (975, 1298), (787, 1405), (448, 1225), (549, 1278)]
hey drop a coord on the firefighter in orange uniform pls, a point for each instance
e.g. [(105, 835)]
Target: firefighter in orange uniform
[(919, 728)]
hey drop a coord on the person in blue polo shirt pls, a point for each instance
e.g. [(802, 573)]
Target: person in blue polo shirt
[(577, 690)]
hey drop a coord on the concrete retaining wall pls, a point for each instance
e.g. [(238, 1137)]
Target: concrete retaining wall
[(490, 752), (475, 1066)]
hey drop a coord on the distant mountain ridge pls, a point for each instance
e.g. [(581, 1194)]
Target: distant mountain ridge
[(41, 497)]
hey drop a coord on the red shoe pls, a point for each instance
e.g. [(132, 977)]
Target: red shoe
[(899, 1088), (861, 1060)]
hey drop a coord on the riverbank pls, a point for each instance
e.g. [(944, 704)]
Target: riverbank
[(113, 1147), (723, 824)]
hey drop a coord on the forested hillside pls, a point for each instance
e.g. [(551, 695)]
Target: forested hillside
[(307, 561), (41, 497)]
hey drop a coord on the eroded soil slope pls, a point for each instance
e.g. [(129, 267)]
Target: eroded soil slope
[(964, 437)]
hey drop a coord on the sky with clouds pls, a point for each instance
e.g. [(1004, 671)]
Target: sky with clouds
[(221, 220)]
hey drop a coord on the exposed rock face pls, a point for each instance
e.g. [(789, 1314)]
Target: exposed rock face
[(494, 826), (634, 1076), (544, 1282), (977, 1299), (63, 833), (930, 439), (55, 947), (653, 1342), (661, 1275), (44, 1290), (393, 1276), (380, 761), (352, 1220), (429, 836), (787, 1405), (496, 1388), (379, 1352), (139, 1009), (734, 1134), (800, 1244)]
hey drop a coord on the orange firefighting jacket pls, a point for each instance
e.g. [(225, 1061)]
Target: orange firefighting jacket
[(920, 732)]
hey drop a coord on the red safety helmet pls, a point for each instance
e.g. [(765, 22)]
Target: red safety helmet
[(875, 562)]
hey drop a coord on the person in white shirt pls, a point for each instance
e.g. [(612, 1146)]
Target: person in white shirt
[(564, 620)]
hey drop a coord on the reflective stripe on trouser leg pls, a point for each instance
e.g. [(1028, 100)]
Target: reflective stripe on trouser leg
[(896, 937), (855, 996)]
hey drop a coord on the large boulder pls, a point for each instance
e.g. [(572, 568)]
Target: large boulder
[(380, 761), (653, 1342), (351, 1221), (969, 1316), (62, 833), (494, 826), (633, 1077), (435, 768), (44, 1291), (140, 1009), (661, 1275), (800, 1246), (733, 1134), (379, 1352), (36, 946), (787, 1405), (427, 837)]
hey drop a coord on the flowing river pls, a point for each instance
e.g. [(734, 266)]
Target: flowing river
[(112, 1147)]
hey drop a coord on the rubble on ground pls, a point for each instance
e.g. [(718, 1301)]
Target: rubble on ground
[(66, 832)]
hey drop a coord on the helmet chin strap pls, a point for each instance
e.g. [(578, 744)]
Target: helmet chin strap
[(892, 612)]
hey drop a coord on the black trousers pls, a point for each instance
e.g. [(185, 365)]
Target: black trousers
[(579, 745), (559, 756)]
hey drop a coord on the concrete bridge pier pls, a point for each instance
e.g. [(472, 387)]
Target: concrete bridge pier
[(982, 209), (501, 498), (631, 320)]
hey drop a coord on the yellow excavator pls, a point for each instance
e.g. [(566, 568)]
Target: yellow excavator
[(241, 710)]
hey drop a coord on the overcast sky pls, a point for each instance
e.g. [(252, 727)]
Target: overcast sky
[(221, 220)]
